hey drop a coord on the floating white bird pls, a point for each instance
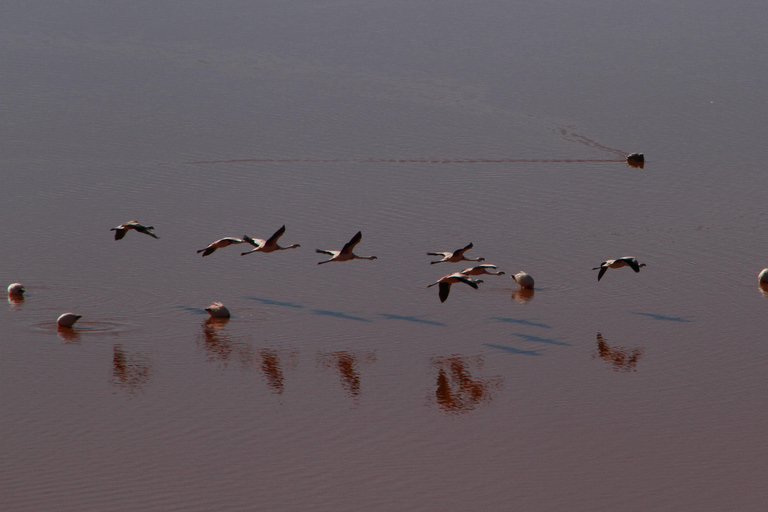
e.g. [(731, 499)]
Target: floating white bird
[(445, 283), (455, 256), (626, 261), (478, 270), (16, 289), (269, 245), (762, 278), (68, 320), (218, 310), (345, 254), (220, 244), (122, 229), (524, 279)]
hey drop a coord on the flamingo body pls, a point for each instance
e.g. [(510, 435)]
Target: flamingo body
[(218, 310), (16, 289), (67, 320), (524, 279)]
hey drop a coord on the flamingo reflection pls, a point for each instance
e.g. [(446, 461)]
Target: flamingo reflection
[(272, 368), (457, 390), (620, 359), (130, 372), (220, 347), (523, 295), (15, 300), (346, 364), (68, 335)]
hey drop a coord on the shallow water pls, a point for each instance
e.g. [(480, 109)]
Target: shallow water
[(349, 386)]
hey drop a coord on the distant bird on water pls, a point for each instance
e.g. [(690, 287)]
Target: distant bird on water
[(220, 244), (68, 320), (122, 229), (218, 310), (763, 276), (16, 289), (455, 256), (478, 270), (626, 261), (269, 245), (524, 279), (345, 254), (445, 283)]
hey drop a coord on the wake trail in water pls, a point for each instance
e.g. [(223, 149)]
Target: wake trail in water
[(402, 160), (565, 133)]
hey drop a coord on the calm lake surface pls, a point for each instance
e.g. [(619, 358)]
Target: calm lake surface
[(349, 386)]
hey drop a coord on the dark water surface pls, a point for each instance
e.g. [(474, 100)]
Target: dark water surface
[(349, 386)]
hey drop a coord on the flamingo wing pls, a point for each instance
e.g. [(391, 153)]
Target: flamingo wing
[(352, 243), (274, 238), (461, 251)]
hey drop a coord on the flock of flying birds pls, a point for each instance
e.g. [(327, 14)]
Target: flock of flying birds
[(218, 310)]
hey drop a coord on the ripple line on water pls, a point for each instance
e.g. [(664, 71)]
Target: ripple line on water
[(405, 160)]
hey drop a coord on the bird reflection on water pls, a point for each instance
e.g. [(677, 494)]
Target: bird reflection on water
[(15, 300), (219, 345), (130, 371), (68, 334), (618, 358), (523, 295), (457, 390), (273, 367), (347, 365)]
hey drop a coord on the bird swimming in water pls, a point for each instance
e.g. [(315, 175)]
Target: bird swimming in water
[(269, 245), (218, 310), (220, 244), (524, 279), (478, 270), (445, 283), (68, 320), (122, 229), (16, 289), (455, 256), (626, 261), (345, 254)]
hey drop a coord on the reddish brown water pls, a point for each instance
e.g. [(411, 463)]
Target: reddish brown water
[(349, 386)]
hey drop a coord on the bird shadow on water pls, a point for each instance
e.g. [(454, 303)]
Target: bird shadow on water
[(271, 302), (411, 319), (513, 350), (197, 311), (339, 314), (537, 339), (663, 317), (521, 322)]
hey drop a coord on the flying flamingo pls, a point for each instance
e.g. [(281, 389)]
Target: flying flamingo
[(220, 244), (269, 245), (123, 228), (345, 254), (626, 261), (445, 283), (455, 256)]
